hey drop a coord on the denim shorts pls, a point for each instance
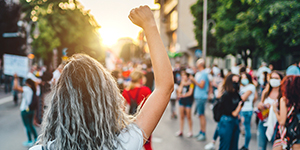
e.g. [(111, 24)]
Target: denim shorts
[(200, 106)]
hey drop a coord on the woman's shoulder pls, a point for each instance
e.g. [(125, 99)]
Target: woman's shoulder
[(131, 137)]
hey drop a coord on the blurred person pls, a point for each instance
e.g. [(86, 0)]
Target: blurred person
[(119, 79), (7, 83), (230, 103), (215, 70), (177, 72), (270, 95), (217, 80), (201, 82), (185, 95), (261, 75), (86, 107), (247, 92), (56, 74), (271, 67), (218, 93), (293, 69), (235, 68), (27, 114), (150, 77), (287, 137), (173, 100), (38, 72), (135, 95), (243, 69)]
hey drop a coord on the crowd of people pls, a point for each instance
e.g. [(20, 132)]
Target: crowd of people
[(92, 108), (237, 93)]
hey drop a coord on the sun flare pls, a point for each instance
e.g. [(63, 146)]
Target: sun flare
[(109, 36)]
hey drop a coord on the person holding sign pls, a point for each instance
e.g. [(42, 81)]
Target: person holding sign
[(27, 113)]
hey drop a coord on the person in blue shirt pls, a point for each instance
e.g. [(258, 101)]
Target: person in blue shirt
[(200, 95), (293, 69)]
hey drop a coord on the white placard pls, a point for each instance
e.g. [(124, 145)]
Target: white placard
[(15, 64)]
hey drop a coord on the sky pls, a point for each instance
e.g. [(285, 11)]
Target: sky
[(112, 16)]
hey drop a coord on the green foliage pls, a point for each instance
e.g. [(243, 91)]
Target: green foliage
[(197, 12), (63, 24), (268, 28)]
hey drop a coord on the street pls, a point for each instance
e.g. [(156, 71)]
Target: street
[(12, 132)]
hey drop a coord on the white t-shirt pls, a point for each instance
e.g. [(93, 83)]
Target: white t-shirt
[(131, 138), (26, 98), (174, 93), (235, 69), (248, 105), (270, 101)]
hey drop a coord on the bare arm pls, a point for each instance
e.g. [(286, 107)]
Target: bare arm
[(282, 113), (201, 84), (189, 93), (237, 110), (260, 105), (16, 85), (246, 95), (154, 107)]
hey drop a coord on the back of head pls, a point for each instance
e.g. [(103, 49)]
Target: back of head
[(85, 110), (200, 62), (136, 76), (31, 84), (290, 87), (228, 83)]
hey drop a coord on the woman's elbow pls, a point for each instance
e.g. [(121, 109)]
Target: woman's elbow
[(281, 122)]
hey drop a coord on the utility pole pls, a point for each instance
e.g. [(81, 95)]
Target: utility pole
[(204, 32)]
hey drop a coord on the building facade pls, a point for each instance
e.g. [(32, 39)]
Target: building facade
[(177, 29)]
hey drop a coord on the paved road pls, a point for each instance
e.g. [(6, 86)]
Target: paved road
[(12, 132)]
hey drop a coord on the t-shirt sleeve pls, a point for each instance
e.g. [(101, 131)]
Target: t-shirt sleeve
[(131, 137)]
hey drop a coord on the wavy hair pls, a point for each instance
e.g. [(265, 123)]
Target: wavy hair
[(290, 87), (86, 108)]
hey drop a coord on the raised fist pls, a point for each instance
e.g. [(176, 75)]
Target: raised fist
[(142, 17)]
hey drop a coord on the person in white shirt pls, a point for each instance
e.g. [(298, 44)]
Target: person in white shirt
[(235, 69), (26, 113), (270, 95), (86, 110), (247, 90), (260, 72)]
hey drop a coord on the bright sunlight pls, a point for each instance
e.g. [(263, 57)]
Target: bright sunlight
[(109, 36)]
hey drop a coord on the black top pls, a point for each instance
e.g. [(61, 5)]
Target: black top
[(229, 102)]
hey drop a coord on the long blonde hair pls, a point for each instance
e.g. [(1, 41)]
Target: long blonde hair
[(136, 77), (85, 110)]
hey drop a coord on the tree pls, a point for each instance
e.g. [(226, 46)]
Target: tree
[(253, 28), (276, 27), (63, 24), (197, 12)]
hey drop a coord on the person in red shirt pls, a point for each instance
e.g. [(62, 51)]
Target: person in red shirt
[(135, 95)]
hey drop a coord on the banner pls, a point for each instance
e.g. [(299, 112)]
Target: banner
[(15, 64)]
